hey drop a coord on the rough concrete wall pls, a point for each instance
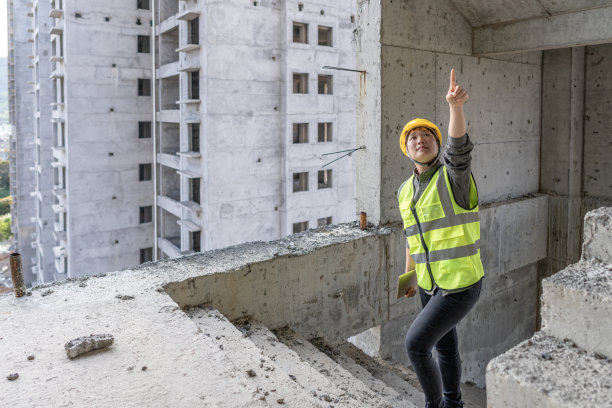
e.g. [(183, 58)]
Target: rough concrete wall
[(22, 151), (503, 112), (368, 171), (557, 144), (103, 150)]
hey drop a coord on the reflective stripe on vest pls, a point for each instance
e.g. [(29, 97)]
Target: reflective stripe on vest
[(443, 237)]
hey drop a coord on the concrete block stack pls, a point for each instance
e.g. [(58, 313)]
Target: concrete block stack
[(569, 362)]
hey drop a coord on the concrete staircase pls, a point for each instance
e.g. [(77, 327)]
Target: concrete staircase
[(569, 362), (281, 367)]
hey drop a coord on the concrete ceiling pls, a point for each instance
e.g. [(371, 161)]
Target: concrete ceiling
[(484, 12)]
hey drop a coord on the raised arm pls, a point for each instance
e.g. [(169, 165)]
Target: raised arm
[(456, 97)]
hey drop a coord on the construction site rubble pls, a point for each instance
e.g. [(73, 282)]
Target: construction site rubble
[(83, 345)]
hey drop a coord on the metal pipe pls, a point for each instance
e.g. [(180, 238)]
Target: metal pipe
[(154, 127), (17, 274)]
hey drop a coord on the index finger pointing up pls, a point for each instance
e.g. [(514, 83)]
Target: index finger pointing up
[(453, 82)]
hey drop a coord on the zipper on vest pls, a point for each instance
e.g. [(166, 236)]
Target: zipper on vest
[(433, 282)]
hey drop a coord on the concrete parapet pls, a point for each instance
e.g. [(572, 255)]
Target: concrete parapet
[(597, 243), (546, 372), (577, 304)]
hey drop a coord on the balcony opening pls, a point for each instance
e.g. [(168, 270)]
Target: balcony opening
[(300, 227), (144, 87), (195, 241), (169, 93), (144, 172), (144, 130), (300, 182), (300, 133), (325, 132), (300, 83), (325, 36), (167, 43), (194, 85), (146, 214), (194, 31), (194, 138), (194, 190), (324, 179), (325, 84), (300, 33), (146, 255), (144, 44), (321, 222)]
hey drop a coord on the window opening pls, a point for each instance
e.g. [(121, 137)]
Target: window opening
[(300, 33), (142, 4), (195, 137), (300, 133), (194, 86), (325, 36), (144, 87), (144, 44), (144, 130), (300, 182), (195, 241), (321, 222), (146, 255), (194, 31), (325, 84), (146, 214), (195, 190), (144, 172), (300, 227), (325, 132), (300, 83), (325, 179)]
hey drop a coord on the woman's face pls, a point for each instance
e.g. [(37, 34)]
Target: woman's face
[(422, 145)]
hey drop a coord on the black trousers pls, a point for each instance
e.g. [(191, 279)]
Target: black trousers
[(435, 325)]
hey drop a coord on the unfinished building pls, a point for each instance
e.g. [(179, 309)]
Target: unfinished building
[(539, 94), (134, 163)]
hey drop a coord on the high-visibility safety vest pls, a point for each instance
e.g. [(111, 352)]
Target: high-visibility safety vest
[(443, 237)]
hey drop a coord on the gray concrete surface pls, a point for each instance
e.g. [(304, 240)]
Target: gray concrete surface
[(547, 372), (598, 235), (577, 302)]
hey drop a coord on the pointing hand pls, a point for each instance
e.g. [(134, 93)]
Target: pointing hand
[(456, 95)]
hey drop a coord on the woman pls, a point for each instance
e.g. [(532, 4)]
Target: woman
[(439, 207)]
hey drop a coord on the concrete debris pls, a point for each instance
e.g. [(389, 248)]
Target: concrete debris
[(144, 368), (31, 357), (280, 401), (46, 292), (82, 345), (12, 377), (251, 373), (124, 297)]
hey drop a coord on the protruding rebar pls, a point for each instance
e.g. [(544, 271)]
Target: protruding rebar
[(17, 274), (363, 220)]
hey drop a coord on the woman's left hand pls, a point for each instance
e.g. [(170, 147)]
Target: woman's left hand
[(456, 95)]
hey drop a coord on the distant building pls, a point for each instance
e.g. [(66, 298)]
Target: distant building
[(220, 144)]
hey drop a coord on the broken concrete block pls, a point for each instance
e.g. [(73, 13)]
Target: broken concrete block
[(82, 345), (12, 377), (577, 303), (547, 372), (598, 235)]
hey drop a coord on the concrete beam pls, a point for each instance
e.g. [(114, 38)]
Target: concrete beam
[(588, 27)]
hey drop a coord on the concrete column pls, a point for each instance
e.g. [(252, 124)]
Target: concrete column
[(577, 92)]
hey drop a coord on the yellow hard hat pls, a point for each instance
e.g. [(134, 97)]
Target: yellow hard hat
[(415, 123)]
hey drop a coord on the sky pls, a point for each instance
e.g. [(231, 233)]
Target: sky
[(3, 29)]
